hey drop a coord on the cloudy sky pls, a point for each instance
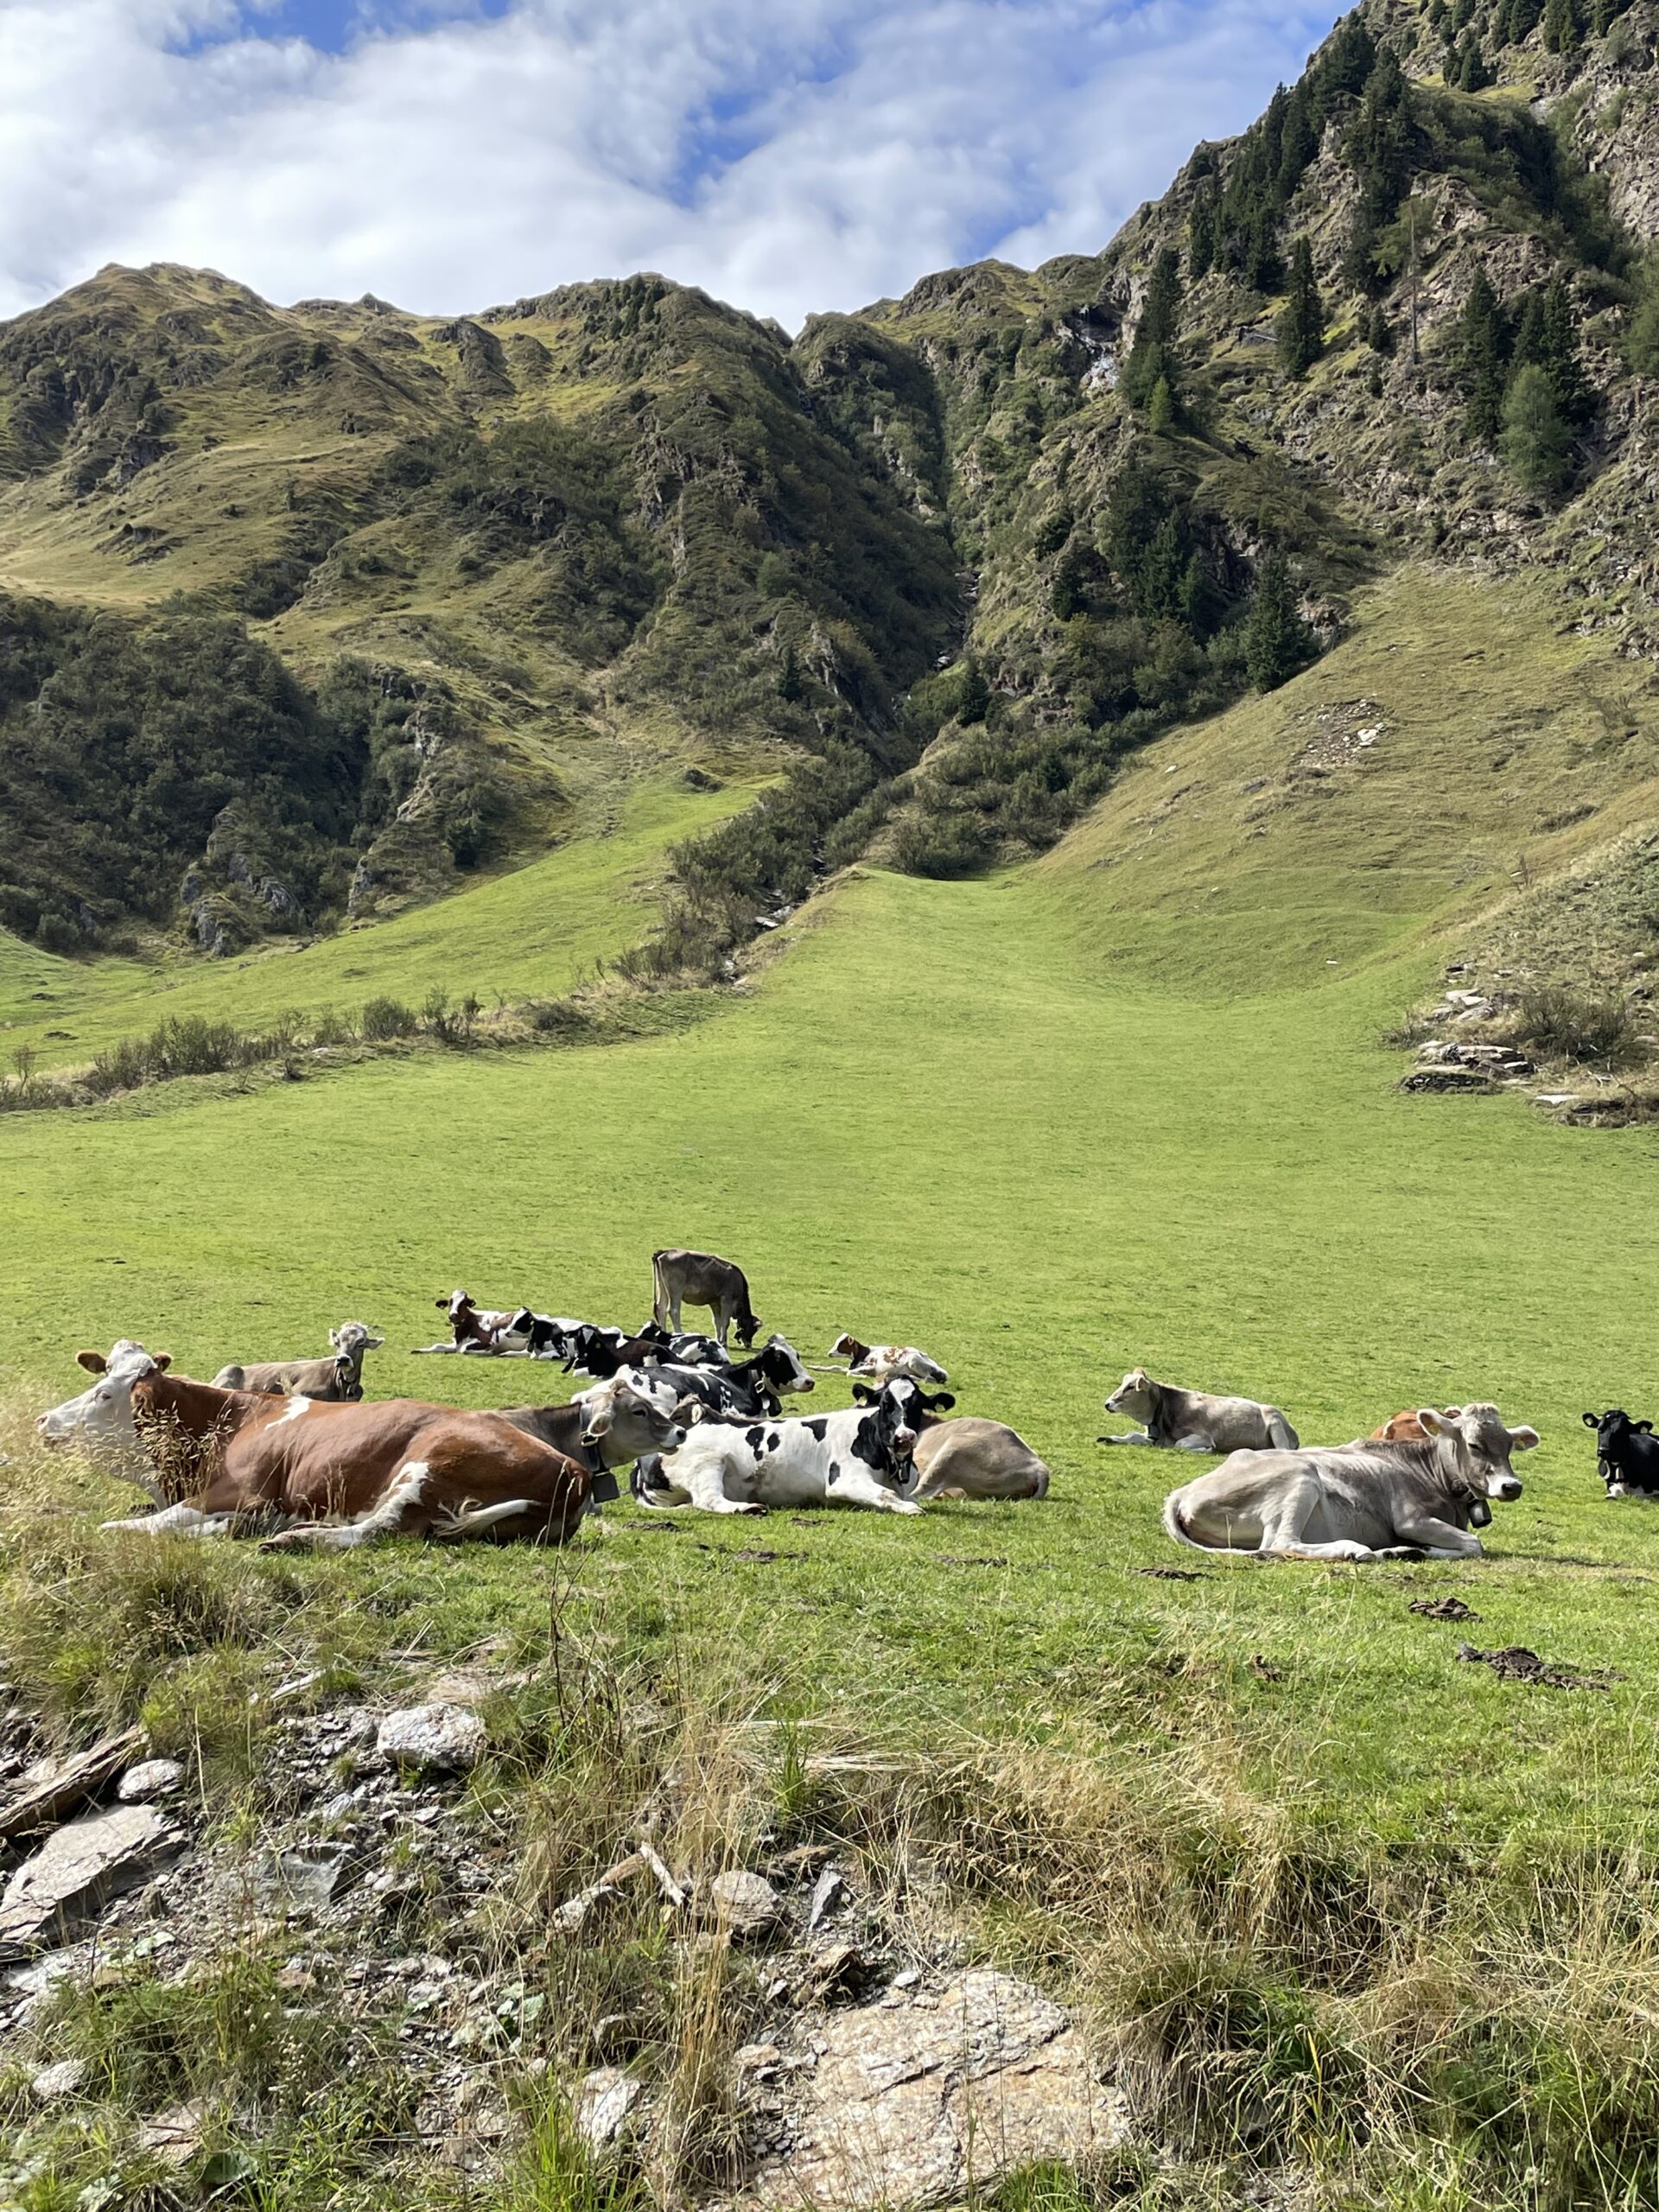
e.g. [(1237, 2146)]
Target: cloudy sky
[(787, 155)]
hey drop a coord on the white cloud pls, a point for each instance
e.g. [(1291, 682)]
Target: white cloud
[(789, 155)]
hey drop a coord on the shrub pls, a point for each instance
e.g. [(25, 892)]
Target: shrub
[(1567, 1023), (384, 1018)]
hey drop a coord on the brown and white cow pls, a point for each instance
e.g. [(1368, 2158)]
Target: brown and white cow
[(880, 1364), (343, 1475), (163, 1431), (474, 1328), (335, 1378), (1366, 1500), (701, 1279)]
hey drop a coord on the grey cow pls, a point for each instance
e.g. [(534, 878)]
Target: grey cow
[(1361, 1501), (1192, 1421), (679, 1277), (336, 1377), (973, 1457)]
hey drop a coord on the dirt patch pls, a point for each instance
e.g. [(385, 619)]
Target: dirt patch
[(1516, 1663), (1172, 1574), (1443, 1609)]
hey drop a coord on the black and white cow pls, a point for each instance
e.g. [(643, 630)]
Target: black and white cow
[(753, 1389), (860, 1456), (1627, 1453)]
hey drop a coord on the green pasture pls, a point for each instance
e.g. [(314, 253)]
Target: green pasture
[(527, 933), (943, 1117)]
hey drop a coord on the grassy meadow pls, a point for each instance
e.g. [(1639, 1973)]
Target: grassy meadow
[(1261, 1820)]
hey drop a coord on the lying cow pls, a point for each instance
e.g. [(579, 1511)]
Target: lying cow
[(337, 1378), (861, 1457), (679, 1277), (167, 1438), (474, 1328), (1192, 1421), (1407, 1427), (347, 1475), (971, 1457), (882, 1362), (754, 1388), (1361, 1501), (1627, 1453)]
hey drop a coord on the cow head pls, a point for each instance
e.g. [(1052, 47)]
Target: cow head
[(353, 1339), (848, 1348), (101, 1419), (1134, 1397), (899, 1413), (457, 1303), (630, 1412), (779, 1361), (746, 1327), (1473, 1448)]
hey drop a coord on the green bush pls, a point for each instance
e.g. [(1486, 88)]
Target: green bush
[(384, 1018), (1563, 1022)]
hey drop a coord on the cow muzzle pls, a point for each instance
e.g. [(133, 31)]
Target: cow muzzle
[(1505, 1488)]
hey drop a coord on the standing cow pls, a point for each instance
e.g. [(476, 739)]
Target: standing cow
[(679, 1277)]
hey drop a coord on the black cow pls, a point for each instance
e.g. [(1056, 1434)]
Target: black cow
[(1627, 1453)]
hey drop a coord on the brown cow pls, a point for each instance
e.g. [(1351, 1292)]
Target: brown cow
[(703, 1279), (335, 1378), (167, 1445), (351, 1473), (1407, 1427)]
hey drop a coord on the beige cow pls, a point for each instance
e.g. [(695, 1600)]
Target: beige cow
[(1192, 1421), (972, 1458)]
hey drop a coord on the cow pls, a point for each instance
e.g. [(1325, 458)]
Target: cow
[(1627, 1453), (1361, 1501), (160, 1431), (1191, 1421), (754, 1386), (859, 1456), (474, 1328), (882, 1362), (1407, 1427), (344, 1475), (337, 1378), (972, 1458), (701, 1279)]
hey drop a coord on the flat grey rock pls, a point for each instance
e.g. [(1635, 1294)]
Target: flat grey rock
[(746, 1903), (76, 1872), (149, 1779), (937, 2098), (302, 1879), (604, 2101)]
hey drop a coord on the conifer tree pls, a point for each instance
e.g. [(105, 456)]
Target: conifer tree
[(975, 696), (1276, 640), (1480, 357), (1528, 351), (1523, 19), (1162, 417), (1560, 356), (1642, 340), (1201, 232), (1379, 332), (1535, 442), (1301, 322), (1152, 356), (1562, 29)]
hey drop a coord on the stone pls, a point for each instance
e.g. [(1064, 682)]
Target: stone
[(149, 1779), (174, 2136), (303, 1880), (60, 2080), (937, 2099), (604, 2101), (826, 1896), (447, 1738), (54, 1787), (77, 1871), (745, 1902)]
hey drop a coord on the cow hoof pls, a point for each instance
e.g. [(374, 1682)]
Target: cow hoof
[(291, 1539)]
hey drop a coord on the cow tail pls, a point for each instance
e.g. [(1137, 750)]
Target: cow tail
[(1281, 1435), (1174, 1527)]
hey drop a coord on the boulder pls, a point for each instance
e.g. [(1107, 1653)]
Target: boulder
[(745, 1902), (149, 1779), (76, 1871), (604, 2101), (446, 1737), (937, 2098)]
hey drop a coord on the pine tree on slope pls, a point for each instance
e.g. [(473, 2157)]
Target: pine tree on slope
[(1301, 322)]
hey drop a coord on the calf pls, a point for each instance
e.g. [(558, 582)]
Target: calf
[(971, 1457), (472, 1328), (1627, 1453), (1192, 1421), (335, 1379), (701, 1279), (1361, 1501), (882, 1362), (861, 1457)]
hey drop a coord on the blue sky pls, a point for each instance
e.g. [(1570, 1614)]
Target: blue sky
[(788, 155)]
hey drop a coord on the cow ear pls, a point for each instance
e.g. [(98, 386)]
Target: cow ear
[(864, 1394), (94, 1361), (941, 1401), (1523, 1440), (1645, 1426), (162, 1362), (1435, 1424), (1591, 1421), (441, 1302)]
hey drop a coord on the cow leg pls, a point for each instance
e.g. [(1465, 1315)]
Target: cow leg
[(452, 1523), (1437, 1539), (1283, 1532), (402, 1494), (1138, 1437), (708, 1488), (1196, 1444), (858, 1489), (181, 1520)]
